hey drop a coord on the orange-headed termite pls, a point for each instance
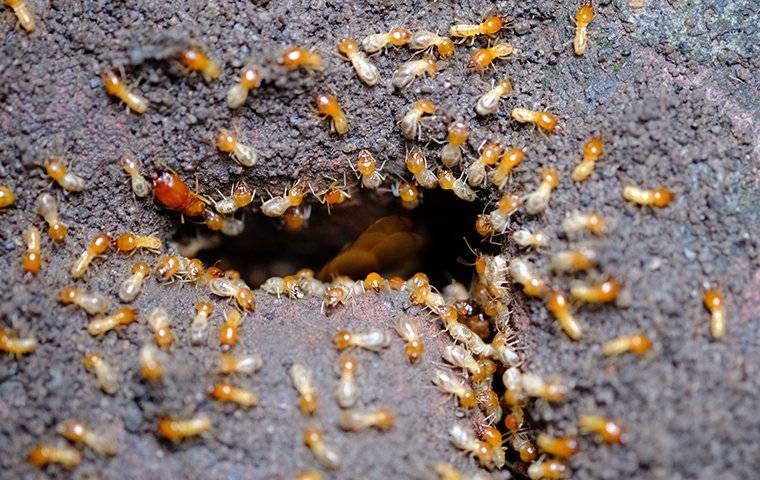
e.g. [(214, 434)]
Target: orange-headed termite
[(714, 302), (592, 150), (177, 430), (488, 103), (16, 345), (115, 86), (608, 431), (69, 181), (398, 37), (64, 455), (301, 377), (347, 391), (226, 392), (96, 247), (325, 452), (23, 14), (603, 292), (32, 259), (250, 78), (47, 208), (79, 432), (227, 141), (407, 72), (559, 305), (107, 378), (538, 200), (366, 71), (545, 120), (582, 20), (328, 105), (410, 124), (659, 197), (123, 316), (195, 59), (358, 420), (638, 343), (295, 57), (91, 302)]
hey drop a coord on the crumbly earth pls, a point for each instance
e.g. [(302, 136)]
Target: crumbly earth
[(669, 87)]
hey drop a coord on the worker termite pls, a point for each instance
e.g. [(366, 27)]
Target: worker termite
[(167, 267), (714, 302), (250, 78), (408, 330), (23, 14), (408, 71), (32, 259), (448, 383), (550, 390), (16, 345), (498, 219), (525, 238), (447, 181), (462, 358), (97, 247), (373, 281), (359, 420), (451, 154), (466, 440), (226, 392), (116, 87), (203, 311), (537, 201), (91, 302), (366, 168), (296, 219), (63, 455), (308, 399), (158, 319), (325, 452), (62, 176), (243, 364), (549, 469), (545, 120), (366, 71), (240, 197), (603, 292), (7, 197), (522, 273), (140, 186), (488, 103), (509, 161), (476, 171), (196, 60), (416, 163), (243, 295), (577, 222), (609, 431), (295, 57), (228, 334), (659, 197), (559, 305), (489, 403), (177, 430), (174, 193), (150, 363), (373, 339), (523, 446), (276, 206), (47, 208), (563, 447), (79, 432), (129, 242), (328, 105), (426, 40), (484, 57), (638, 343), (123, 316), (410, 124), (227, 142), (107, 379), (490, 26), (582, 20), (502, 343), (592, 151), (397, 36), (347, 391), (408, 193), (578, 260)]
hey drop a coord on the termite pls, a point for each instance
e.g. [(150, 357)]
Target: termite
[(659, 197), (91, 302), (608, 431), (538, 200), (549, 469), (177, 430), (227, 142), (129, 242), (347, 391), (97, 247), (482, 58), (32, 259), (509, 161), (603, 292), (174, 193), (592, 151), (158, 320), (325, 452), (359, 420), (502, 343), (301, 377), (582, 20), (140, 186), (63, 455), (373, 339), (426, 40), (79, 432), (543, 119), (488, 103), (522, 273), (462, 358), (559, 305), (578, 260), (416, 163), (451, 155), (466, 440), (7, 197), (328, 105), (366, 167), (490, 26), (408, 71), (295, 57), (448, 383), (224, 287), (714, 302), (638, 343), (16, 345), (576, 222), (116, 87), (410, 124), (408, 193), (408, 330), (476, 171), (47, 208), (489, 403), (226, 392), (240, 197), (528, 452), (123, 316), (563, 447), (550, 390), (228, 334), (397, 36), (195, 59), (23, 14), (366, 71), (525, 238), (243, 364), (107, 378), (276, 206), (150, 363), (447, 181), (250, 78), (199, 326), (69, 181)]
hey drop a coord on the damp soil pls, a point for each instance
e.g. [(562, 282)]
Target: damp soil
[(669, 87)]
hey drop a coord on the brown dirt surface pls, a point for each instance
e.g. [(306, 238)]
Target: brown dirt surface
[(669, 87)]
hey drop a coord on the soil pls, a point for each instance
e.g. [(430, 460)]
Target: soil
[(669, 87)]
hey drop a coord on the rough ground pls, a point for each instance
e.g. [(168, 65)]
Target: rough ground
[(670, 88)]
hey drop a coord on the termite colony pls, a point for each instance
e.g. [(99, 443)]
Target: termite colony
[(484, 369)]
